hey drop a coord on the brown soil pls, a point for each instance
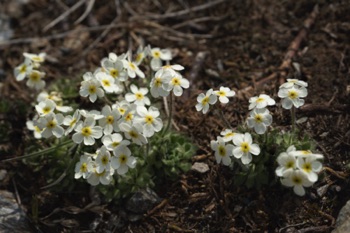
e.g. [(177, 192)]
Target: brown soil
[(240, 44)]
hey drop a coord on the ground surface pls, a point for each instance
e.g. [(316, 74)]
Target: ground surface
[(231, 43)]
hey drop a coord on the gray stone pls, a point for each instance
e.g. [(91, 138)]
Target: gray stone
[(12, 218), (342, 224), (142, 201), (200, 167)]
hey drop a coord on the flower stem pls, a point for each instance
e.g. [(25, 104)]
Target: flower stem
[(223, 118), (42, 152), (170, 114), (293, 119)]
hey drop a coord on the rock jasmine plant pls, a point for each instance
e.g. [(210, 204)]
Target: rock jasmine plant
[(252, 155), (124, 140)]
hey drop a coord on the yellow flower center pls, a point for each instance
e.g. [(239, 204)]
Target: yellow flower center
[(123, 159), (132, 66), (229, 135), (23, 69), (149, 119), (51, 124), (297, 180), (83, 167), (114, 73), (106, 83), (37, 59), (205, 100), (260, 99), (156, 54), (46, 110), (72, 122), (221, 93), (306, 152), (92, 89), (115, 144), (139, 57), (158, 82), (258, 118), (129, 117), (175, 81), (245, 147), (104, 160), (292, 94), (37, 129), (110, 119), (86, 131), (34, 76), (290, 164), (139, 96), (222, 151), (133, 134), (307, 167)]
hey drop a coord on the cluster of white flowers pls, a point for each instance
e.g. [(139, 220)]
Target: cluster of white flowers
[(242, 147), (117, 126), (259, 116), (211, 97), (30, 69), (298, 169)]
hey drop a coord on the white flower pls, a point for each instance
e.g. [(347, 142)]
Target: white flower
[(50, 123), (84, 167), (298, 180), (310, 166), (104, 177), (133, 69), (172, 68), (149, 119), (128, 115), (121, 106), (287, 163), (291, 96), (35, 80), (140, 55), (110, 120), (45, 107), (114, 69), (205, 100), (157, 56), (261, 101), (35, 58), (138, 96), (122, 160), (92, 89), (55, 96), (36, 130), (133, 132), (158, 83), (293, 82), (87, 131), (227, 135), (244, 147), (259, 119), (23, 69), (64, 109), (107, 82), (71, 121), (222, 151), (103, 160), (112, 141), (306, 153), (223, 93), (176, 83), (93, 113)]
